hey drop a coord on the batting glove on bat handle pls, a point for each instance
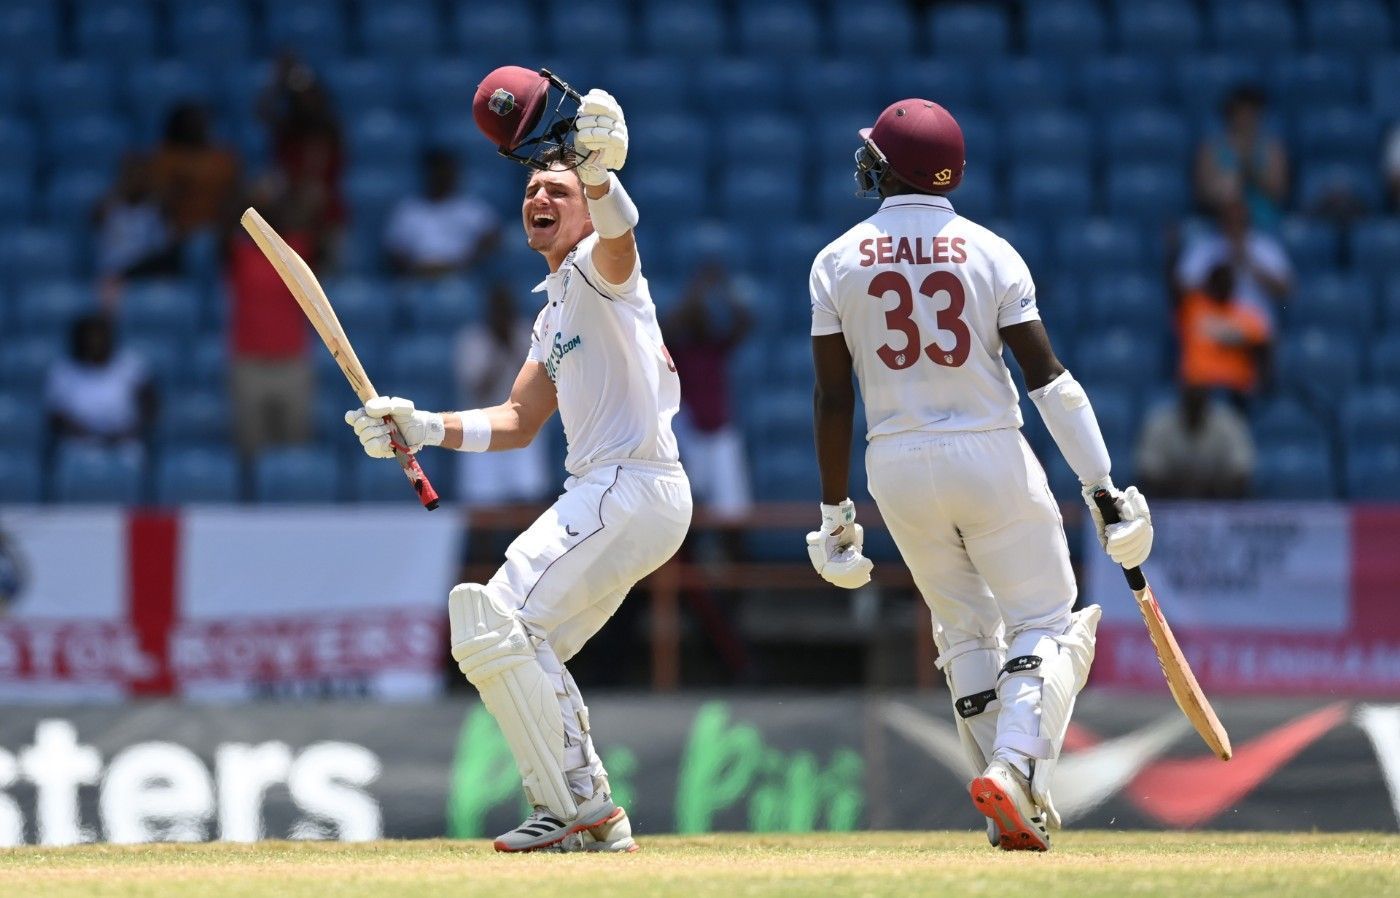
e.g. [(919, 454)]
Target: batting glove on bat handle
[(1103, 500)]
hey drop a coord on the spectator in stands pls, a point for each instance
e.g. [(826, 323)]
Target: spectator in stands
[(1224, 342), (272, 381), (1263, 274), (307, 142), (1244, 160), (133, 237), (442, 231), (702, 334), (1390, 165), (196, 179), (485, 364), (98, 394), (1198, 448)]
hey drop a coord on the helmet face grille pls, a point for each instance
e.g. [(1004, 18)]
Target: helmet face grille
[(871, 168), (554, 132)]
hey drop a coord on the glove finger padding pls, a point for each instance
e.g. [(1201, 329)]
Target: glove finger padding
[(838, 558), (381, 406), (1130, 542)]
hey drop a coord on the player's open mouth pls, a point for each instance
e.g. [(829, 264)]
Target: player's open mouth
[(542, 222)]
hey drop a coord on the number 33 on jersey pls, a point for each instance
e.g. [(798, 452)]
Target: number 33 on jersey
[(920, 295)]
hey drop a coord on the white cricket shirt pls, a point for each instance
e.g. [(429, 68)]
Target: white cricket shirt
[(920, 294), (602, 347)]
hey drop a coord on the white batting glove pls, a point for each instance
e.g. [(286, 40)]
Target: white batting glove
[(417, 429), (602, 131), (835, 548), (1128, 542)]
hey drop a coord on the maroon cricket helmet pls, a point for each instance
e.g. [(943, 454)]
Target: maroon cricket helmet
[(917, 141), (523, 111)]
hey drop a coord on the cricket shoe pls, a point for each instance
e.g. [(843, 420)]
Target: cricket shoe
[(612, 835), (543, 829), (1002, 793)]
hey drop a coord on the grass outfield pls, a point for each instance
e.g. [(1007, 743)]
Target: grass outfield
[(728, 866)]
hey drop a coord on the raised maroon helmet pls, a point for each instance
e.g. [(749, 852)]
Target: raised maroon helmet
[(921, 144), (508, 105)]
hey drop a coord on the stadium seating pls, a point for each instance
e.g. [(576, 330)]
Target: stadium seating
[(198, 475), (294, 475), (21, 475), (89, 473)]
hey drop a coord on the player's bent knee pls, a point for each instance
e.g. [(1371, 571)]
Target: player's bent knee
[(487, 636)]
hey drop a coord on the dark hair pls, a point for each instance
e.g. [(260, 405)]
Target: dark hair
[(1245, 94), (85, 325), (555, 155)]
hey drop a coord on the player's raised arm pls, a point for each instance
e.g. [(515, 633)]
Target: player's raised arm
[(602, 131)]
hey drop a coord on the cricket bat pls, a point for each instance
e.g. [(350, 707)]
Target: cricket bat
[(1180, 678), (297, 275)]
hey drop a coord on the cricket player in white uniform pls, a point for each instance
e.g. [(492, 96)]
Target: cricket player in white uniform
[(917, 302), (596, 355)]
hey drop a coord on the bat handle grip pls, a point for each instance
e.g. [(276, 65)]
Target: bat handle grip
[(1109, 511), (412, 469)]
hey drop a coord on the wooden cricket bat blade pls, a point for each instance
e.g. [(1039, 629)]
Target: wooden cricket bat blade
[(1181, 680)]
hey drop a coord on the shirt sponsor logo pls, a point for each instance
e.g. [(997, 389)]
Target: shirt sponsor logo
[(561, 348)]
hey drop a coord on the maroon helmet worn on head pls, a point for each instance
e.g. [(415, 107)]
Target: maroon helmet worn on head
[(508, 104), (921, 144)]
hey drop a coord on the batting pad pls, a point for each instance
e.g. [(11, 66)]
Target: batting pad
[(492, 648)]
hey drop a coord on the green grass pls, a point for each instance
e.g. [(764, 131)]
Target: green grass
[(729, 866)]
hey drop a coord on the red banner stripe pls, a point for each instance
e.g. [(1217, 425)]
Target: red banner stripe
[(152, 550)]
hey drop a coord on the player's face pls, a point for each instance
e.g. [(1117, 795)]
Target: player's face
[(555, 212)]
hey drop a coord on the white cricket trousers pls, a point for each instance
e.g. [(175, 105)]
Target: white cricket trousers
[(571, 569), (979, 529)]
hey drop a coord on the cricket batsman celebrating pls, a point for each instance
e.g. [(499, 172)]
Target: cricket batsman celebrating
[(596, 355), (917, 302)]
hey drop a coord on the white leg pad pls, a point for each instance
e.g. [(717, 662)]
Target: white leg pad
[(584, 768), (971, 669), (1038, 686), (492, 648)]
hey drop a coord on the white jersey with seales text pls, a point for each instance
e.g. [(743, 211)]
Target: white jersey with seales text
[(920, 295), (601, 345)]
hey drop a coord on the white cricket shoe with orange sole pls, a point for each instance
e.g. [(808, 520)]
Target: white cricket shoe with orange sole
[(1002, 793), (544, 830)]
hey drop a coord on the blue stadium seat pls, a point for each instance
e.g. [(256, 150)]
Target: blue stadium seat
[(1352, 186), (1049, 134), (887, 26), (419, 357), (1339, 302), (24, 364), (438, 88), (117, 31), (1261, 27), (373, 191), (1385, 87), (1315, 80), (49, 307), (1147, 192), (952, 83), (983, 140), (978, 30), (1284, 419), (359, 86), (653, 87), (1294, 472), (1065, 28), (21, 475), (603, 28), (1026, 237), (1203, 81), (712, 239), (1374, 245), (74, 88), (839, 84), (789, 253), (761, 139), (671, 197), (1158, 28), (1050, 192), (162, 357), (1061, 299), (1119, 356), (211, 32), (1390, 303), (382, 480), (835, 193), (672, 141), (490, 34), (979, 197), (1385, 359), (167, 308), (17, 198), (724, 85), (315, 31), (441, 306), (1116, 411), (1148, 134), (208, 361), (1373, 473), (778, 30), (1308, 238), (383, 138), (33, 253), (94, 141), (1370, 416), (1349, 26), (398, 31), (151, 89), (1318, 364), (85, 473), (296, 474), (683, 31), (29, 32), (1098, 245), (1109, 84), (766, 193), (17, 144), (364, 305), (1338, 133), (1015, 85), (1134, 301), (197, 475), (194, 417)]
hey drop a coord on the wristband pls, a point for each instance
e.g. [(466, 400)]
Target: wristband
[(476, 431), (613, 213)]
